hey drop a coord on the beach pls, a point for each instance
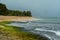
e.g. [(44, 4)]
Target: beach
[(10, 32), (16, 18)]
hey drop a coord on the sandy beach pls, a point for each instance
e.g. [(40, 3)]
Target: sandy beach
[(16, 18)]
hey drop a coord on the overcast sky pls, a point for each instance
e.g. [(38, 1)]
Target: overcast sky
[(39, 8)]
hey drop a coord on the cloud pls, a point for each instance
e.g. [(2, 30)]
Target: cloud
[(44, 8)]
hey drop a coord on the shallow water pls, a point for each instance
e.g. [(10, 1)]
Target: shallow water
[(49, 27)]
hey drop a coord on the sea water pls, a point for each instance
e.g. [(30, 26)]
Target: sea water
[(49, 27)]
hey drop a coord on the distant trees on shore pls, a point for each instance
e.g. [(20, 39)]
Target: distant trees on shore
[(6, 12)]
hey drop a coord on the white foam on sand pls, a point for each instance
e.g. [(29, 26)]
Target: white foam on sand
[(35, 19), (56, 32)]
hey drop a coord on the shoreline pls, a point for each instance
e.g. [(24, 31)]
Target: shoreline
[(17, 18), (18, 34)]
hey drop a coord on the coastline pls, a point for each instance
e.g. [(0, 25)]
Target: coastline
[(17, 18), (15, 33)]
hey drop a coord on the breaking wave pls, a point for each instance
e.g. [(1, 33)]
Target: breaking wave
[(56, 32)]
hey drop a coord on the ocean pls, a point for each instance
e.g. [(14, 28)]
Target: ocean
[(49, 27)]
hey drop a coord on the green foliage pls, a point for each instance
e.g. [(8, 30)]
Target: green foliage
[(3, 8), (4, 11), (14, 13), (27, 13)]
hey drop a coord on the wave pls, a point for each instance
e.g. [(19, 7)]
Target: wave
[(56, 32), (48, 37)]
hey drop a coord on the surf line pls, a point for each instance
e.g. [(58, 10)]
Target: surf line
[(56, 32)]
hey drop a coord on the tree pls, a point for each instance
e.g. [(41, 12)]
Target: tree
[(2, 9), (6, 12), (27, 13)]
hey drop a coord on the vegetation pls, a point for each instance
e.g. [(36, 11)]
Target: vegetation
[(6, 12), (8, 32), (12, 33)]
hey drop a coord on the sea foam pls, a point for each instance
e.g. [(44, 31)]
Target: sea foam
[(36, 19), (56, 32)]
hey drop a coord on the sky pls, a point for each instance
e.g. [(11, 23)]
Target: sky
[(39, 8)]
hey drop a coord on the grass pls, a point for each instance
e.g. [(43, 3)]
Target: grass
[(14, 33)]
